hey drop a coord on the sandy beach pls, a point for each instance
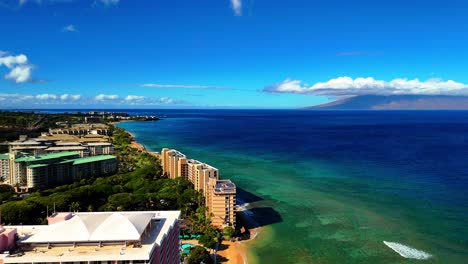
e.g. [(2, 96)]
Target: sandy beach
[(136, 145)]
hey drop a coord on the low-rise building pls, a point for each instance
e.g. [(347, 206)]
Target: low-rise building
[(58, 168), (100, 237), (89, 145)]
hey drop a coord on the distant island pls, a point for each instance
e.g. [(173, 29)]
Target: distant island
[(396, 102)]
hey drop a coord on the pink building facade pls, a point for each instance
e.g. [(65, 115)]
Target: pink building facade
[(7, 238)]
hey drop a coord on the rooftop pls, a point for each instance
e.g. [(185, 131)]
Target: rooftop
[(93, 159), (37, 166), (4, 156), (66, 154), (224, 187), (25, 142), (71, 148), (99, 144), (176, 153), (69, 143), (80, 237)]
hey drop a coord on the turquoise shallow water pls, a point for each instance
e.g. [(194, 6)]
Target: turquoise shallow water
[(336, 184)]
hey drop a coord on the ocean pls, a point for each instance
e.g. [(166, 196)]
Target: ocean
[(335, 186)]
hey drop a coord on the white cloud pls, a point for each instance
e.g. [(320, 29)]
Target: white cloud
[(134, 98), (46, 96), (347, 86), (72, 97), (166, 100), (11, 61), (69, 28), (183, 86), (236, 6), (20, 69), (37, 100), (20, 74), (102, 97)]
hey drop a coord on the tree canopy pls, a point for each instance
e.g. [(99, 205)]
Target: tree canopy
[(139, 186), (199, 255)]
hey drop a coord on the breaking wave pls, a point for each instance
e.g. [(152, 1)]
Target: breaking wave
[(407, 252)]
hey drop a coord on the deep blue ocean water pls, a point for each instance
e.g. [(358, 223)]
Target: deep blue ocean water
[(336, 183)]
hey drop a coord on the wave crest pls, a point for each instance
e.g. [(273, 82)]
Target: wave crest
[(406, 251)]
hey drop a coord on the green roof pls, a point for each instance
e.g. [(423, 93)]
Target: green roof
[(37, 166), (93, 159), (47, 156), (4, 156)]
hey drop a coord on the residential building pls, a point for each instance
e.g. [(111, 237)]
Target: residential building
[(7, 239), (99, 237), (83, 129), (99, 148), (58, 168), (93, 119), (221, 201), (220, 195), (173, 163), (4, 167), (88, 145), (198, 173)]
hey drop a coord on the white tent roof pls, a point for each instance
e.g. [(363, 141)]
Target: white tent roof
[(95, 227)]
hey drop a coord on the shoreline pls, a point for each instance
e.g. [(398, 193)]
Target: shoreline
[(236, 252), (135, 144)]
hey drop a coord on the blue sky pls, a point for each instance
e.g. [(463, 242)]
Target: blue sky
[(227, 53)]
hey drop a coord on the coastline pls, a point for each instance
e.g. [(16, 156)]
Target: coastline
[(236, 252)]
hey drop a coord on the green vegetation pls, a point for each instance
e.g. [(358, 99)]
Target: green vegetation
[(6, 192), (229, 232), (210, 237), (14, 124), (199, 255), (139, 185)]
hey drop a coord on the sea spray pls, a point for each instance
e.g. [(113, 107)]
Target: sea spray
[(406, 251)]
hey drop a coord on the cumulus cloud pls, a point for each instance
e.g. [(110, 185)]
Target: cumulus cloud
[(183, 86), (134, 98), (69, 28), (46, 97), (103, 97), (37, 100), (20, 68), (71, 97), (236, 6), (347, 86), (166, 100)]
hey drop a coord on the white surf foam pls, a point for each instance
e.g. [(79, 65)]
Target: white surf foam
[(407, 252)]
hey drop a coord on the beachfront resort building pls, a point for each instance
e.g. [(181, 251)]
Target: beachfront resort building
[(29, 171), (95, 237), (220, 195), (88, 145), (173, 163), (56, 159), (221, 198), (4, 167)]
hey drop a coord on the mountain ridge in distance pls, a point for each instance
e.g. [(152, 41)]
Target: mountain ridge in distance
[(396, 102)]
